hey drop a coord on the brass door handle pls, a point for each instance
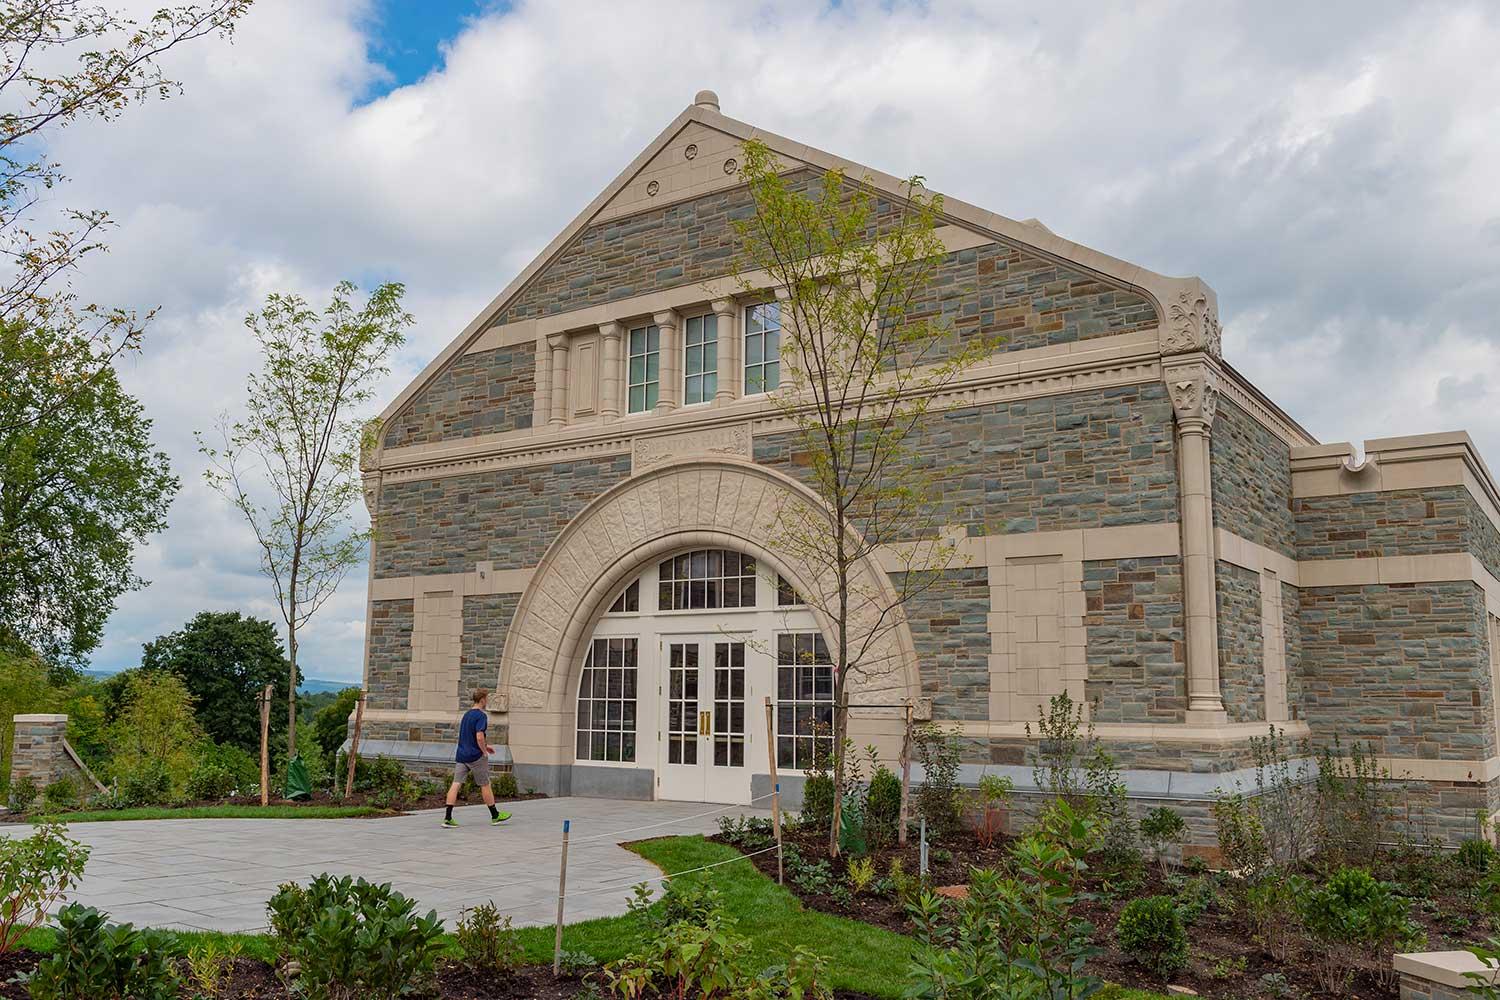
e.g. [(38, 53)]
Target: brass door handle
[(705, 723)]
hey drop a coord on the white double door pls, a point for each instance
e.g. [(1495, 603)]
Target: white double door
[(711, 734)]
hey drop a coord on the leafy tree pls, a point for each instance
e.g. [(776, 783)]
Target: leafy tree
[(860, 366), (63, 62), (290, 466), (80, 487), (155, 727), (226, 660), (330, 724)]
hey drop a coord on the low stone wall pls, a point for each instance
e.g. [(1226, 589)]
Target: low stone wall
[(1438, 975), (40, 751)]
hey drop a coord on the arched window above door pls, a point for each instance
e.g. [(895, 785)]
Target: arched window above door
[(706, 579)]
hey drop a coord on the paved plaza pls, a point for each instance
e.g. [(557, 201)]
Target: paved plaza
[(210, 874)]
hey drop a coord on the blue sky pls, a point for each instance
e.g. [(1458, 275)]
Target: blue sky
[(407, 36)]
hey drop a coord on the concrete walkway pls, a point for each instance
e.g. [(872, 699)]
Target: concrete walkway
[(216, 874)]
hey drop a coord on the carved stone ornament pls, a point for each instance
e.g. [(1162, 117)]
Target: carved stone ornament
[(692, 151), (371, 483), (1192, 324), (652, 188), (731, 165), (1195, 392), (718, 442)]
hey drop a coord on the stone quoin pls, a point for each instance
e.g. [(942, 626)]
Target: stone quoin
[(573, 505)]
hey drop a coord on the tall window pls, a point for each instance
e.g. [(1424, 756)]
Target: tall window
[(645, 368), (707, 578), (762, 347), (701, 361), (606, 701), (804, 699)]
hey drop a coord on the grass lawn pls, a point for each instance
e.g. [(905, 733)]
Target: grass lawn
[(217, 812), (861, 957)]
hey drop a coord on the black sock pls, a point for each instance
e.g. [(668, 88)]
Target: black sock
[(494, 812), (450, 813)]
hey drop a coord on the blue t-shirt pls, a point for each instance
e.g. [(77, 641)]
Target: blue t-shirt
[(475, 721)]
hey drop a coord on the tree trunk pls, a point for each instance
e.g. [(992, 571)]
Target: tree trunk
[(840, 726), (291, 694)]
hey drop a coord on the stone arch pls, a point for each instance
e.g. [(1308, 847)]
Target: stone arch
[(715, 503)]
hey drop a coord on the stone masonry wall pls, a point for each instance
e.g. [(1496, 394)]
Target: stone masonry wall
[(1252, 481), (1242, 675), (1395, 523), (483, 393), (1001, 291), (37, 752), (1483, 537), (1134, 622), (1401, 667), (389, 678), (1083, 460), (487, 619), (510, 516), (950, 628)]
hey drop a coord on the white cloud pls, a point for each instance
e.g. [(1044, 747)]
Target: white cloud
[(1328, 169)]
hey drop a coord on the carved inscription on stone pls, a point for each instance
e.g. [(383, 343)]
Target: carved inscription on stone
[(718, 442)]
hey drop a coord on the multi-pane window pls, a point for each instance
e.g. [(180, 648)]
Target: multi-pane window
[(629, 599), (701, 359), (786, 594), (606, 701), (645, 368), (804, 699), (707, 578), (762, 347)]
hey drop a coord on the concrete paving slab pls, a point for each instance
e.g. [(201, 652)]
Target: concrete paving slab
[(211, 874)]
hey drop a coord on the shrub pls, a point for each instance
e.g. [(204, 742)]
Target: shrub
[(940, 800), (1352, 912), (487, 940), (1195, 896), (209, 967), (1242, 836), (149, 784), (749, 833), (1354, 804), (96, 960), (155, 729), (355, 939), (883, 805), (1271, 907), (817, 800), (1150, 931), (713, 961), (1476, 855), (60, 796), (861, 874), (993, 795), (36, 872), (1162, 828), (23, 793), (210, 780), (504, 786)]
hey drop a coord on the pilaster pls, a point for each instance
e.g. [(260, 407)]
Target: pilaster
[(1193, 384), (558, 345), (669, 396), (612, 378), (731, 368)]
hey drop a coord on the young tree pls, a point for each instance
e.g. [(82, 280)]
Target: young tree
[(226, 660), (80, 487), (860, 365), (301, 437), (62, 62)]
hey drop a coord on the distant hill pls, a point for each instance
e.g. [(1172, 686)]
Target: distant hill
[(309, 685)]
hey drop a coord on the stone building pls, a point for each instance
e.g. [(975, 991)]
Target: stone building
[(573, 502)]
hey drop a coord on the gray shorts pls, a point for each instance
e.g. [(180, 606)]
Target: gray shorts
[(479, 770)]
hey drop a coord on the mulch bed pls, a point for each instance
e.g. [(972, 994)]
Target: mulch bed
[(432, 800), (252, 979), (1220, 939)]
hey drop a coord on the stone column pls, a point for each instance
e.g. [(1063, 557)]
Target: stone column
[(558, 343), (669, 385), (1194, 388), (612, 379), (541, 410), (731, 366)]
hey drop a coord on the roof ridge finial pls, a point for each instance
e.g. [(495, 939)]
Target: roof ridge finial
[(706, 99)]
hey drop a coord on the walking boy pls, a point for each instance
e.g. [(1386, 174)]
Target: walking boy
[(473, 759)]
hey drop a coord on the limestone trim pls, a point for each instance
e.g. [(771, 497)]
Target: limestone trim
[(483, 580), (1238, 390), (430, 716), (1251, 555), (1447, 968), (1273, 648), (719, 503), (1416, 462), (1450, 567), (1115, 362), (83, 768), (1161, 289), (1228, 734), (39, 717)]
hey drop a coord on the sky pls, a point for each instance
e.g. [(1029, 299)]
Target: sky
[(1328, 168)]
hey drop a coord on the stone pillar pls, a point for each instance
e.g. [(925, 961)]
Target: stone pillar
[(731, 366), (613, 378), (670, 373), (541, 412), (40, 751), (558, 343), (1194, 388), (1441, 975)]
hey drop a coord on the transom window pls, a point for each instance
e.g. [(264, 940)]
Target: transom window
[(701, 362), (804, 699), (606, 701), (762, 347), (706, 578), (645, 368), (629, 599), (786, 594)]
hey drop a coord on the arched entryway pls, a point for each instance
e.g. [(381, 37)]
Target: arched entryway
[(626, 537)]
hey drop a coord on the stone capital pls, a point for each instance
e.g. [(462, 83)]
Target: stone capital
[(611, 330), (557, 341), (722, 307), (1194, 389), (1192, 319), (666, 319), (371, 483)]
